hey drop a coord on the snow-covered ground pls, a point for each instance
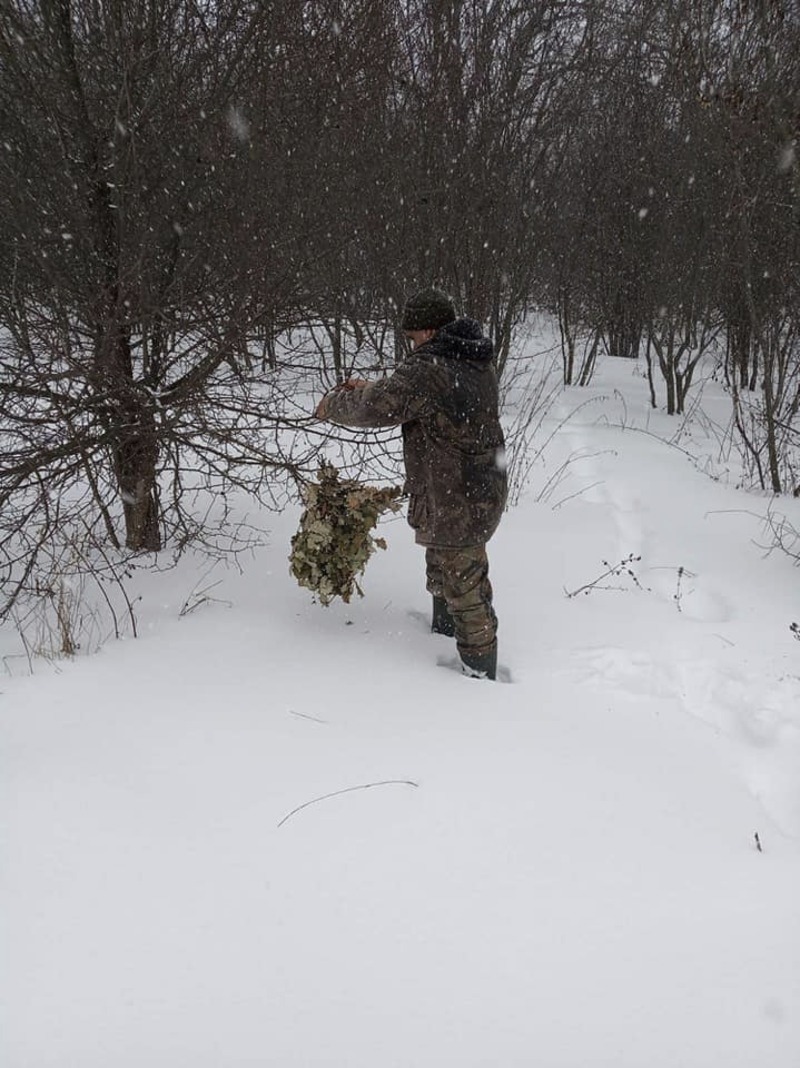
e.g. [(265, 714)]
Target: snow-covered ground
[(269, 833)]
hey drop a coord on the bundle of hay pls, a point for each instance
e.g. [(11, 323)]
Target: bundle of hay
[(334, 541)]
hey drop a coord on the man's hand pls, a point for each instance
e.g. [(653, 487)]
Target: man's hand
[(321, 410)]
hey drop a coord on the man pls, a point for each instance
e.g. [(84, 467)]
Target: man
[(444, 396)]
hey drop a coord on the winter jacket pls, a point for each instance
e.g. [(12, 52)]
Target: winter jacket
[(445, 398)]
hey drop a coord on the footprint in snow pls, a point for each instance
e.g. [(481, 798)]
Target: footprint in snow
[(689, 594), (634, 672)]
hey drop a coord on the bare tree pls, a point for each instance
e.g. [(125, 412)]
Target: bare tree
[(133, 272)]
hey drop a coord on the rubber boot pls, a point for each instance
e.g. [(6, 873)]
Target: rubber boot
[(442, 622), (480, 666)]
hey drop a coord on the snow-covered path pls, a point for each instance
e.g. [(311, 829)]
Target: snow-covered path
[(559, 871)]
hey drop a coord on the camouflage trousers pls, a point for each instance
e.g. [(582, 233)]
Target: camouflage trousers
[(461, 576)]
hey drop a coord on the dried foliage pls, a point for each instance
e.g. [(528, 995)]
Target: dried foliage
[(334, 542)]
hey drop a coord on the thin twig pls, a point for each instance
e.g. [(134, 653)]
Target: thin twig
[(348, 790), (623, 567), (305, 715), (577, 493)]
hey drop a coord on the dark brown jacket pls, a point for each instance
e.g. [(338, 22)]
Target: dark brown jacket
[(445, 397)]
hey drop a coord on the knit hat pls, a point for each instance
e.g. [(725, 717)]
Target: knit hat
[(428, 310)]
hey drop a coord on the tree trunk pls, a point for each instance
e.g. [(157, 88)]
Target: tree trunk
[(680, 391), (665, 362), (589, 360), (567, 338), (650, 382), (669, 378), (770, 420), (132, 424), (136, 464)]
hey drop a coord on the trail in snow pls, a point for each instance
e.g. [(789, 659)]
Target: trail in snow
[(672, 530)]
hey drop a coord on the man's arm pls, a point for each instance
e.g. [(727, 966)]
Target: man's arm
[(403, 396)]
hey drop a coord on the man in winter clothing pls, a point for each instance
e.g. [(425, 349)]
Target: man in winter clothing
[(444, 396)]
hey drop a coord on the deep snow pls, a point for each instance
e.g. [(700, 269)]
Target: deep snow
[(572, 880)]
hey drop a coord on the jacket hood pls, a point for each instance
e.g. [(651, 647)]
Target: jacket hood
[(461, 340)]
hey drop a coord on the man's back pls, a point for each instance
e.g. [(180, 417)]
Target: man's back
[(454, 450)]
